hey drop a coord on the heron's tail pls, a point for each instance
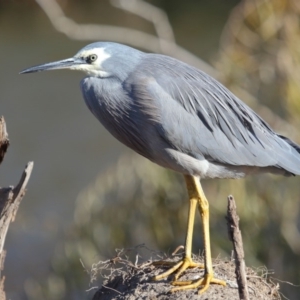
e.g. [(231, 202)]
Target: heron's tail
[(293, 144), (289, 159)]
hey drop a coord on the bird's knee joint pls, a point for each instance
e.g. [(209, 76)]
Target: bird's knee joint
[(203, 204)]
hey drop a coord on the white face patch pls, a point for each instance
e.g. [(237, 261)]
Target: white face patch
[(95, 67)]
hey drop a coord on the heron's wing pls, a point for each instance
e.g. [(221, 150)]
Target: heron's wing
[(196, 115)]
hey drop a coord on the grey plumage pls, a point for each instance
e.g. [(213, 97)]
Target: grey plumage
[(164, 108), (180, 118)]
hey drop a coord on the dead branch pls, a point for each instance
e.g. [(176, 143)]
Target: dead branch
[(153, 14), (10, 199), (236, 237)]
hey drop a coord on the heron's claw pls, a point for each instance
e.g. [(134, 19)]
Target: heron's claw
[(202, 282), (179, 268)]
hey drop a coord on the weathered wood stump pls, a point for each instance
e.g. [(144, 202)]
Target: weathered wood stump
[(10, 199)]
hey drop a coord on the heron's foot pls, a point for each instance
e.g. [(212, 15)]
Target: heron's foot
[(204, 283), (177, 268)]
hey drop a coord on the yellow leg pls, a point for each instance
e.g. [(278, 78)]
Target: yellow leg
[(187, 261), (196, 195)]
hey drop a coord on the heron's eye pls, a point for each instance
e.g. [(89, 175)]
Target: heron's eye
[(91, 58)]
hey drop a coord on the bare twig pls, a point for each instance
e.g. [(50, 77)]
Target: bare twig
[(180, 247), (287, 282), (106, 287), (10, 199), (153, 14), (236, 237)]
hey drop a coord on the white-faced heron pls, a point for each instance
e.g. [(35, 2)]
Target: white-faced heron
[(182, 119)]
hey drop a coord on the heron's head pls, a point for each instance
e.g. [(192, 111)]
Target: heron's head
[(102, 59)]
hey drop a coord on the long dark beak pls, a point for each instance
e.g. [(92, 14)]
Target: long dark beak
[(57, 65)]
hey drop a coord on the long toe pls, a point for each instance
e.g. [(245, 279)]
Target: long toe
[(204, 283), (177, 268)]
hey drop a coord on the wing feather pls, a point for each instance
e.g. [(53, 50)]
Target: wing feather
[(197, 115)]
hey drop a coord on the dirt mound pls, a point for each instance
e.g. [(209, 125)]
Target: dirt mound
[(133, 281)]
